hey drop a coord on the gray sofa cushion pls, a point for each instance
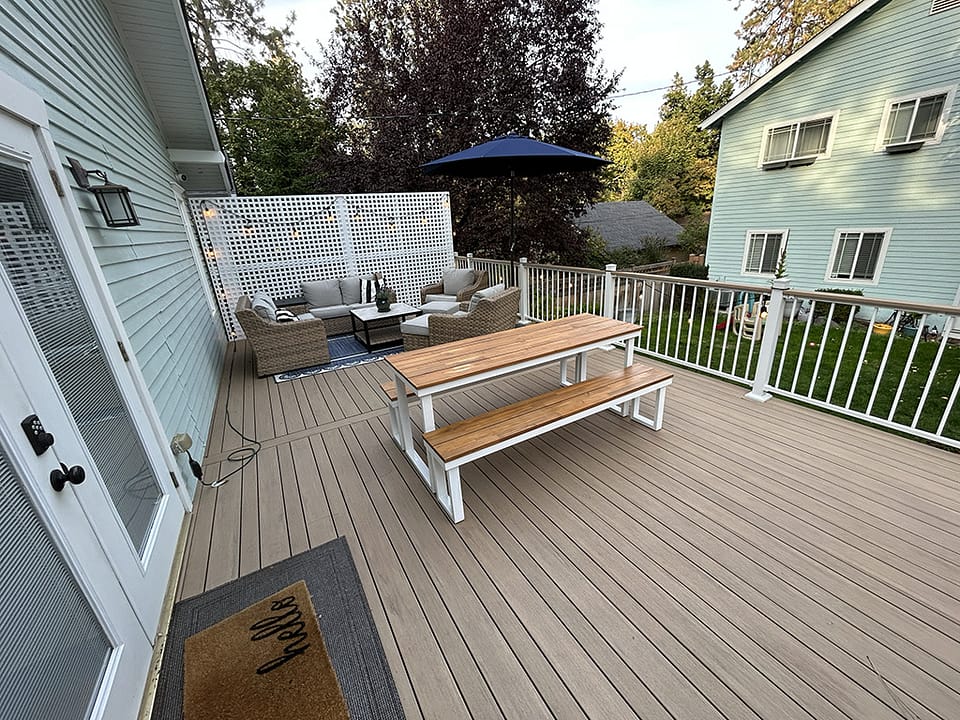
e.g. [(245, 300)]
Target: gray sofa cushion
[(485, 293), (322, 293), (456, 279), (357, 289), (331, 311), (416, 326), (351, 289), (263, 305)]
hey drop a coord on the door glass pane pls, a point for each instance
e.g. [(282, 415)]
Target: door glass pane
[(53, 648), (38, 271)]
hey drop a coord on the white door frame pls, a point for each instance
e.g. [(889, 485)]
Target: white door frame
[(23, 103), (131, 567)]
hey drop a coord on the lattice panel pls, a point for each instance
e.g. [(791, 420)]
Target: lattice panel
[(272, 244)]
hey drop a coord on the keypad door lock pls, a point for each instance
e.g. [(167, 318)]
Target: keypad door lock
[(40, 439)]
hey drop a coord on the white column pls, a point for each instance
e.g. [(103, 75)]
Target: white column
[(607, 309), (523, 279), (768, 342)]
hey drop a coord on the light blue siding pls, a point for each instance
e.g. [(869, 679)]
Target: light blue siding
[(69, 52), (899, 49)]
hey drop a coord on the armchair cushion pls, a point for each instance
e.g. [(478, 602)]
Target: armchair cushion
[(456, 279), (322, 293), (437, 297), (419, 325), (263, 305), (485, 293)]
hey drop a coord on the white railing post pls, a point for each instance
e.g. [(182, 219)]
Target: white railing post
[(469, 261), (768, 342), (607, 307), (523, 280)]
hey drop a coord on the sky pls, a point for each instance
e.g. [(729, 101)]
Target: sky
[(649, 40)]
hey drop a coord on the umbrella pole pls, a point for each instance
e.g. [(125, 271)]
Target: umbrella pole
[(513, 204)]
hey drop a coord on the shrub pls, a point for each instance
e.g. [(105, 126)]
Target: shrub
[(695, 271), (693, 239), (654, 250), (840, 312)]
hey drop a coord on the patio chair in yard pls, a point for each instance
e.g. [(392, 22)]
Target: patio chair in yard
[(282, 346), (489, 311)]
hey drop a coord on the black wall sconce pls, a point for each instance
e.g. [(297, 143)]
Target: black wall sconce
[(113, 199)]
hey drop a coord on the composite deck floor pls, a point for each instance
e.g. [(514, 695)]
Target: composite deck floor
[(747, 561)]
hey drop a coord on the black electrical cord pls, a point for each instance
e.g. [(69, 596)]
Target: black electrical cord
[(243, 455)]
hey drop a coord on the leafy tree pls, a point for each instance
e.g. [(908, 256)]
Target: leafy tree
[(675, 166), (424, 78), (624, 151), (772, 30), (271, 124)]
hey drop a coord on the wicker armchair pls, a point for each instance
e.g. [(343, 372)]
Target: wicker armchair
[(462, 296), (489, 316), (278, 347)]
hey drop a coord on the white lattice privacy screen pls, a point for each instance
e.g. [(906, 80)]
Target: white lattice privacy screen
[(272, 244)]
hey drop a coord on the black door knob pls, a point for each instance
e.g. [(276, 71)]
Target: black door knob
[(59, 477)]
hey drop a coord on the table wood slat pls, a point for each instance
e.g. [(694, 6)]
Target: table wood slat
[(462, 359)]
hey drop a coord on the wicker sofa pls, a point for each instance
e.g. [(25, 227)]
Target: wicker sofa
[(278, 347), (490, 314)]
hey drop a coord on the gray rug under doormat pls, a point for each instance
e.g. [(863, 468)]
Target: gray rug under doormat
[(344, 616)]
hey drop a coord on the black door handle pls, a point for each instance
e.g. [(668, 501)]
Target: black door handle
[(59, 477)]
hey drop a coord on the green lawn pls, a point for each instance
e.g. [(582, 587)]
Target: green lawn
[(679, 336)]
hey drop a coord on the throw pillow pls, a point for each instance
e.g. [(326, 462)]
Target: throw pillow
[(485, 293), (456, 279), (370, 287), (262, 304), (322, 293), (285, 316), (350, 290)]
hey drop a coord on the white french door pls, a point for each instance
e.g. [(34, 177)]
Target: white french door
[(108, 512)]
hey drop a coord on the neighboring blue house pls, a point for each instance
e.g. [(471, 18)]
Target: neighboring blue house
[(109, 339), (848, 154)]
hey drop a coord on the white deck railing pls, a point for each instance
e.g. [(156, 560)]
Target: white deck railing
[(887, 362)]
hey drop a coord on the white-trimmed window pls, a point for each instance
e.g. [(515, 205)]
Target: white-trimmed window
[(857, 255), (912, 121), (762, 251), (799, 142)]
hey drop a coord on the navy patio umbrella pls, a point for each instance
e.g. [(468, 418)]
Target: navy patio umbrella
[(512, 156)]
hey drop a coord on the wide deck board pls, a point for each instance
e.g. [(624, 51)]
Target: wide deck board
[(748, 560)]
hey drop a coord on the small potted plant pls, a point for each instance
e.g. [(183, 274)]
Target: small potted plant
[(384, 296), (909, 324)]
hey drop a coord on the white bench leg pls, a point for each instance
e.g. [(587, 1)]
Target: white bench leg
[(395, 424), (656, 422), (446, 486), (563, 371)]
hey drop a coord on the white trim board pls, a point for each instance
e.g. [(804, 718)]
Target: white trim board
[(824, 36)]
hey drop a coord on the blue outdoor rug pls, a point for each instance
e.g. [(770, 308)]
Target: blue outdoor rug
[(345, 351)]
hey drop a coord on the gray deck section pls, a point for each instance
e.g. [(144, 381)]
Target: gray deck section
[(747, 561)]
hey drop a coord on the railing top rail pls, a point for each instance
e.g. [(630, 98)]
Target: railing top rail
[(693, 281), (907, 305), (566, 268), (485, 261)]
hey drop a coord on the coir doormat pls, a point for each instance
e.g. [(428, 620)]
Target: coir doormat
[(266, 661), (349, 631)]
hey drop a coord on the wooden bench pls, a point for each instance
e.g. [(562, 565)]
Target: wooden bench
[(389, 389), (454, 445)]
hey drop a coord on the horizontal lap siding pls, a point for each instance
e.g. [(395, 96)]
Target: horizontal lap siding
[(897, 50), (69, 52)]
